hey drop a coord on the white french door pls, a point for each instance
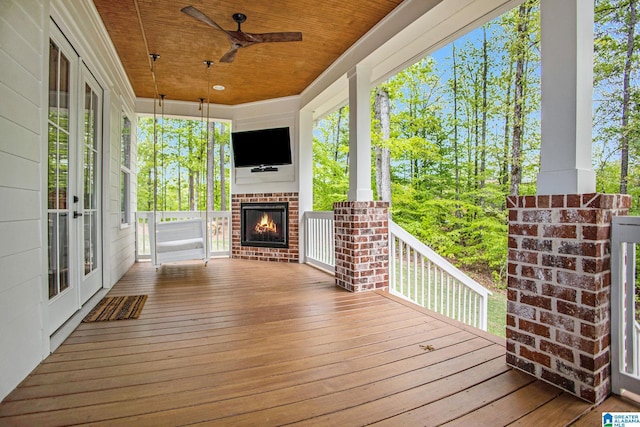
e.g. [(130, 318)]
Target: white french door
[(73, 183), (87, 214)]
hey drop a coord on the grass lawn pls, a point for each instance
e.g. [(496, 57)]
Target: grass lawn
[(497, 308)]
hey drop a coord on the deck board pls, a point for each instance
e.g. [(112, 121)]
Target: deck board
[(563, 407), (254, 343), (500, 412), (612, 404)]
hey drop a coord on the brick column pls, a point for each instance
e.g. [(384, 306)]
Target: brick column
[(362, 245), (558, 311)]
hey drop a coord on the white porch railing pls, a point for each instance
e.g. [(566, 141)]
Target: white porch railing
[(320, 242), (419, 275), (416, 272), (219, 228), (625, 330)]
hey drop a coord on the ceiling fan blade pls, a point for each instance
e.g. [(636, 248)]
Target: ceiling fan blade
[(230, 55), (276, 37), (195, 13)]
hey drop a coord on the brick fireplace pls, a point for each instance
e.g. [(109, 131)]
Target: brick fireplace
[(264, 224), (255, 249)]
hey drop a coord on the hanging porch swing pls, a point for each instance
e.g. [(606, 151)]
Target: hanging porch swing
[(183, 239)]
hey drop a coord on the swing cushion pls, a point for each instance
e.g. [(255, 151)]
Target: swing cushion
[(182, 235), (180, 245)]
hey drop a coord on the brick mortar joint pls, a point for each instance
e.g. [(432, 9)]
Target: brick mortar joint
[(587, 200), (554, 360)]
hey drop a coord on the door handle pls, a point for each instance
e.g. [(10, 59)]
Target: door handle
[(76, 214)]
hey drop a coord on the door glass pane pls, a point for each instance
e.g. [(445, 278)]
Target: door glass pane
[(52, 177), (125, 146), (89, 172), (90, 180), (94, 120), (54, 52), (124, 197), (63, 95), (90, 147), (125, 165), (90, 241), (63, 250), (58, 172), (63, 168), (58, 245), (88, 120), (53, 255)]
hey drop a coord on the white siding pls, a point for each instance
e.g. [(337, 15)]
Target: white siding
[(24, 36), (22, 25), (122, 245)]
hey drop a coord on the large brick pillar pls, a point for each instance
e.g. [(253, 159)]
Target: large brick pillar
[(362, 245), (558, 312)]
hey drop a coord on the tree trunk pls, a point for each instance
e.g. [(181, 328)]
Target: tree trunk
[(336, 146), (476, 133), (192, 192), (151, 190), (383, 156), (210, 165), (468, 143), (455, 123), (504, 168), (223, 183), (179, 175), (163, 170), (518, 100), (192, 178), (483, 140), (626, 92)]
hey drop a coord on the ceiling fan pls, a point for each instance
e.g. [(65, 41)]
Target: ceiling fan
[(239, 39)]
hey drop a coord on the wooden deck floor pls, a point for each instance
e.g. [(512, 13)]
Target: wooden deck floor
[(254, 343)]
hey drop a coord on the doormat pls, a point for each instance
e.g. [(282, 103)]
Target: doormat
[(117, 308)]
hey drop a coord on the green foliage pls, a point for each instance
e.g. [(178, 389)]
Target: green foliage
[(471, 236), (330, 160), (173, 164), (449, 144), (616, 113)]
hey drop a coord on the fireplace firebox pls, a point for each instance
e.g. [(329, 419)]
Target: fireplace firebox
[(264, 224)]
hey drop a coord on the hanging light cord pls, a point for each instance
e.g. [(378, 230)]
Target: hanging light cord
[(151, 57), (155, 165), (206, 244), (155, 146), (162, 157)]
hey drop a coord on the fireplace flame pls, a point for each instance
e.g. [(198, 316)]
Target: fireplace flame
[(266, 225)]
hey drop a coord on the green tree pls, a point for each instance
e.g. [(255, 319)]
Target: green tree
[(179, 150), (330, 160), (616, 90)]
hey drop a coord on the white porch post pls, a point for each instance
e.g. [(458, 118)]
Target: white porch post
[(360, 134), (361, 224), (567, 87), (305, 174)]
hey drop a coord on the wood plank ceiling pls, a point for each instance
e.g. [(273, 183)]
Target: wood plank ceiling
[(264, 71)]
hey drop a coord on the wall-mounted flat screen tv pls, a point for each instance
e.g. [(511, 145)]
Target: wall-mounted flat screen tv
[(264, 147)]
